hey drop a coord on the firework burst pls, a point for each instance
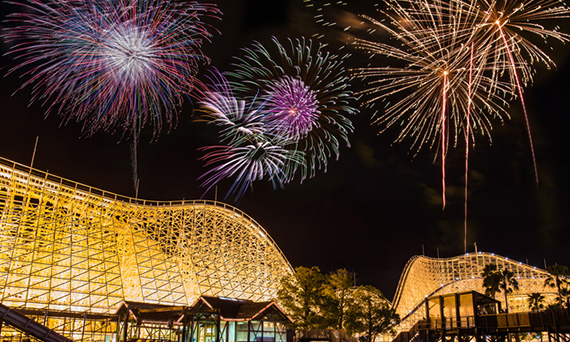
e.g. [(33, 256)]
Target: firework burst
[(111, 64), (436, 76), (305, 97), (298, 100), (502, 34), (454, 65), (220, 107), (247, 161), (249, 153), (293, 108), (457, 64), (505, 29)]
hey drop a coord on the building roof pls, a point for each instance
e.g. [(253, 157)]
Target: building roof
[(479, 298), (227, 309), (231, 309), (152, 312)]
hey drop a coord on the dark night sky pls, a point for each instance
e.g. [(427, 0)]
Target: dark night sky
[(375, 207)]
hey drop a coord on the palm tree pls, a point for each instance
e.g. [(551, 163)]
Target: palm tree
[(499, 281), (557, 279), (491, 279), (507, 284), (535, 301)]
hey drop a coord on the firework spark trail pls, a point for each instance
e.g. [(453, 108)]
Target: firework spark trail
[(111, 64), (520, 92), (501, 31), (467, 131), (443, 135)]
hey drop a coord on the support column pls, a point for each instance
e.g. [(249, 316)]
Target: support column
[(83, 328), (125, 327), (192, 329), (218, 328), (184, 328)]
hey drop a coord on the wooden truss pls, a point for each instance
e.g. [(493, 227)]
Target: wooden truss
[(69, 247), (424, 276)]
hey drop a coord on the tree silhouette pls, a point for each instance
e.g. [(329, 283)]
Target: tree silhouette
[(337, 297), (557, 278), (371, 314), (495, 281), (491, 280), (507, 284), (535, 301)]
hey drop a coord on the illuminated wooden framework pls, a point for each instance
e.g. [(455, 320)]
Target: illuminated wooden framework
[(67, 247), (425, 277)]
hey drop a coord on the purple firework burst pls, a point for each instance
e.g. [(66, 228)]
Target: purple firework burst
[(293, 108), (111, 64), (297, 118)]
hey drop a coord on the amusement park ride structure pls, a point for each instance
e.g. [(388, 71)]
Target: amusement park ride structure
[(81, 252), (82, 264)]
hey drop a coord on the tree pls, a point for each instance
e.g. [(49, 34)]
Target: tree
[(337, 297), (535, 301), (371, 314), (491, 280), (495, 281), (300, 294), (507, 284), (557, 278)]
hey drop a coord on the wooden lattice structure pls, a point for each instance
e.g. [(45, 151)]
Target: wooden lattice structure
[(67, 247), (425, 277)]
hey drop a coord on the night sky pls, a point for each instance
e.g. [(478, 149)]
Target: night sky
[(376, 207)]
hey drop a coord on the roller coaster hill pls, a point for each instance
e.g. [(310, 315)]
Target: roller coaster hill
[(441, 299), (81, 264)]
